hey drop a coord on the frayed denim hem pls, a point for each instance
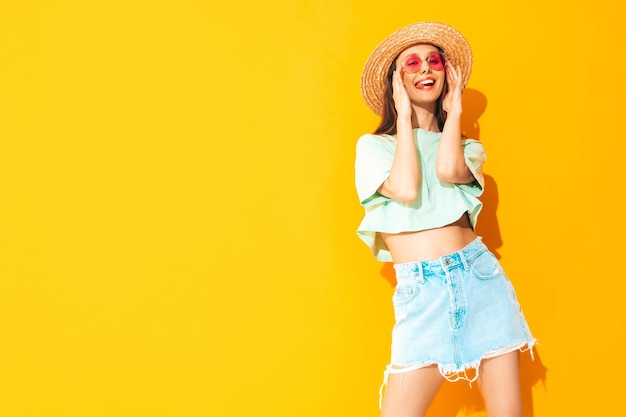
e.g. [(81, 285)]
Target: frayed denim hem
[(452, 373)]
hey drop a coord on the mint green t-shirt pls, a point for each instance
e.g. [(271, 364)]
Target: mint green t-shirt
[(438, 203)]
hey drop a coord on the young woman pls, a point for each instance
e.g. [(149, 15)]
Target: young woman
[(419, 179)]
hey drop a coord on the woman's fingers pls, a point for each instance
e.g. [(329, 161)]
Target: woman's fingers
[(398, 85), (400, 96), (454, 76), (455, 88)]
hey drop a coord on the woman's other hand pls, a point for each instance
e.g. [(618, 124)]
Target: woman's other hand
[(401, 98), (452, 100)]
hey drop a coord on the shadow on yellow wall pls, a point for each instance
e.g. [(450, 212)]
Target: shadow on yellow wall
[(454, 397)]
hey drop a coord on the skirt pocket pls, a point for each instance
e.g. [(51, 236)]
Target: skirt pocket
[(486, 266), (405, 292)]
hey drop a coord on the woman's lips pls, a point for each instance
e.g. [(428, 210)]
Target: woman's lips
[(425, 84)]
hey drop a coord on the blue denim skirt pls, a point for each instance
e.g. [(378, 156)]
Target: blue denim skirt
[(453, 312)]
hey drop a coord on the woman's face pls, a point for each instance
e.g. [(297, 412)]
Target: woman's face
[(423, 72)]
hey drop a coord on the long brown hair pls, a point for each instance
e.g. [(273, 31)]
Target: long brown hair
[(389, 115)]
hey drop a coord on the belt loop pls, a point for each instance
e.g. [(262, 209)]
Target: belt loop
[(419, 271), (463, 260)]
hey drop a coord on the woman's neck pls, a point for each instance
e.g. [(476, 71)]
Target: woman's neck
[(424, 119)]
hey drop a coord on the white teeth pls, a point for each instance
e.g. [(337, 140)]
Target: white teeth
[(426, 82)]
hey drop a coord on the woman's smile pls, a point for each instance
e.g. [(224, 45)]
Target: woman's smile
[(425, 84)]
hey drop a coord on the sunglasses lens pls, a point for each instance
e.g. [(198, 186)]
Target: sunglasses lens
[(436, 62), (412, 64)]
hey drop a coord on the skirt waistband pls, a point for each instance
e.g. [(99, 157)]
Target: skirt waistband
[(461, 259)]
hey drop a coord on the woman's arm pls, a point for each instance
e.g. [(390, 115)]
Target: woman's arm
[(451, 165), (404, 176)]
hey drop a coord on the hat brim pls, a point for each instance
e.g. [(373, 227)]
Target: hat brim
[(451, 41)]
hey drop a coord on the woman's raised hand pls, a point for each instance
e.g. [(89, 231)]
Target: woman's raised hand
[(452, 100), (400, 96)]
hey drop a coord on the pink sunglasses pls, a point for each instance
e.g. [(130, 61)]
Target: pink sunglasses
[(413, 63)]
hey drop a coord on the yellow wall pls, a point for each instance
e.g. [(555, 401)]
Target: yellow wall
[(178, 213)]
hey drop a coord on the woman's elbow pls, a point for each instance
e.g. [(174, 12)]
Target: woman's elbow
[(453, 174), (404, 192), (406, 196)]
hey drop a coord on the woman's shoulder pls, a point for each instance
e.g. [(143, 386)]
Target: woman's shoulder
[(377, 137), (372, 139), (466, 139), (470, 142)]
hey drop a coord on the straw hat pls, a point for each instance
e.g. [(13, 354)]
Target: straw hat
[(453, 43)]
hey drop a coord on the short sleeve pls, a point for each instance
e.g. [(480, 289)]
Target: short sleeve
[(374, 156), (475, 157)]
